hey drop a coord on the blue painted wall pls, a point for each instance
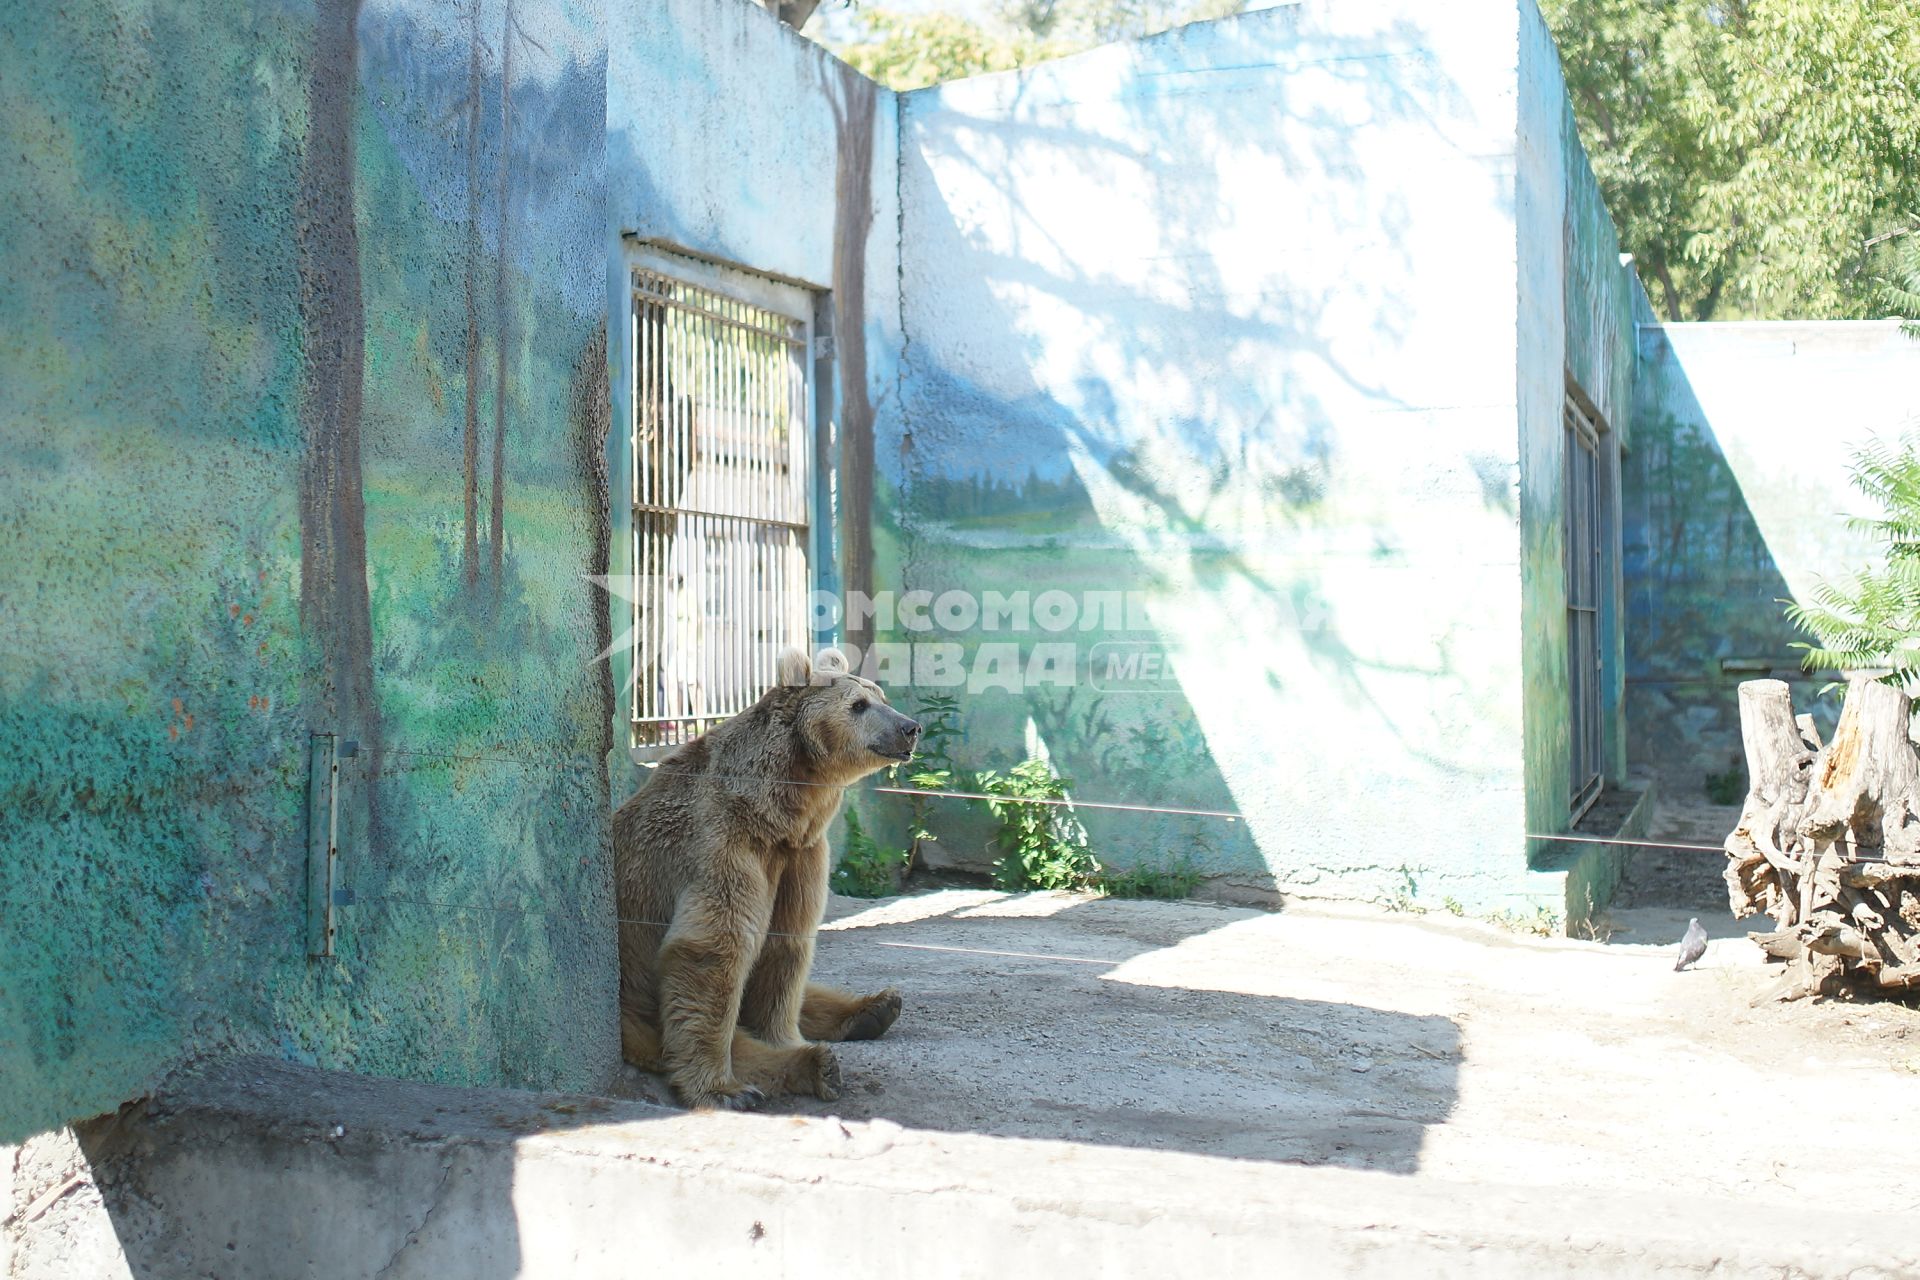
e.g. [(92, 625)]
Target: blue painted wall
[(1265, 320), (1576, 337)]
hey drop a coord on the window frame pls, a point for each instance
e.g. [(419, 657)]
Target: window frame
[(1586, 538), (743, 293)]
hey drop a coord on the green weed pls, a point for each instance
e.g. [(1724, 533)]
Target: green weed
[(867, 869), (1177, 879), (1042, 846)]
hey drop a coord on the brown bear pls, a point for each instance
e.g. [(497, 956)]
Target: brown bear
[(720, 872)]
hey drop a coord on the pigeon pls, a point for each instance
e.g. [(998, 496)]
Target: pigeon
[(1693, 946)]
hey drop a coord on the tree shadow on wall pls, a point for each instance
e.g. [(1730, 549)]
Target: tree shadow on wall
[(1184, 437)]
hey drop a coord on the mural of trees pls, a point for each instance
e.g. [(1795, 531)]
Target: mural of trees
[(511, 33), (476, 65), (334, 606)]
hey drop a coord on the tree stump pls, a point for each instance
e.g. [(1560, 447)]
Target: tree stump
[(1828, 842)]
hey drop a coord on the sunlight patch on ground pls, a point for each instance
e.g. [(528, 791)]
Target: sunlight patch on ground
[(1029, 905), (907, 910)]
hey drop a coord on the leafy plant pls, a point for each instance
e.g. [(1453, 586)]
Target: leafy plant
[(1900, 292), (1042, 845), (1453, 906), (939, 716), (1543, 923), (1406, 895), (1872, 621), (868, 869), (1177, 879)]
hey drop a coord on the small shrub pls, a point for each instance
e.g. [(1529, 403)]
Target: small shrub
[(1729, 787), (1042, 846), (1543, 923), (933, 769), (1177, 879), (1453, 906), (1406, 895), (868, 869)]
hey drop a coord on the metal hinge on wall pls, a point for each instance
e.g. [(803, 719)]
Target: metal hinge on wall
[(325, 893)]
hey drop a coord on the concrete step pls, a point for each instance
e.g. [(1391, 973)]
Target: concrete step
[(255, 1168)]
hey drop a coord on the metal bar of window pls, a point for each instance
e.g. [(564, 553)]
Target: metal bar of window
[(670, 296)]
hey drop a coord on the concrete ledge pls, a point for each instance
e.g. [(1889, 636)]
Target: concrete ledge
[(1582, 878), (259, 1169)]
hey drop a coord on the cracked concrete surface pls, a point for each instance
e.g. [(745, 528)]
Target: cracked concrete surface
[(1086, 1087)]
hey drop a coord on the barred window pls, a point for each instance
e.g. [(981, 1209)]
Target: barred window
[(1589, 526), (720, 490)]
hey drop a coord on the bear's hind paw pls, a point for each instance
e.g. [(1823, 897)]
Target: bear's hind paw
[(872, 1021)]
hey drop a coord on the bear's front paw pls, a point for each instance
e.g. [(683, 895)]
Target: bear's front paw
[(873, 1020), (819, 1073), (731, 1097)]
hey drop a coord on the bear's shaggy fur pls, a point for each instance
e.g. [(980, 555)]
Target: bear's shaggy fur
[(720, 866)]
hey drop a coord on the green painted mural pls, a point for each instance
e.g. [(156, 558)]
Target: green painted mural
[(1576, 342), (1738, 500), (270, 265)]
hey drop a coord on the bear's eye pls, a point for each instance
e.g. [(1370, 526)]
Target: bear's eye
[(859, 705)]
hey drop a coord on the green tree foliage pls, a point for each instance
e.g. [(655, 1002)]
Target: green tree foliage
[(1901, 293), (1758, 155), (910, 50), (1872, 621)]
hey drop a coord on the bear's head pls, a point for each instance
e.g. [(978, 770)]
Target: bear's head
[(843, 720)]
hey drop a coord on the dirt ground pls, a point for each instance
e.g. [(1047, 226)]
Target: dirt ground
[(1353, 1037)]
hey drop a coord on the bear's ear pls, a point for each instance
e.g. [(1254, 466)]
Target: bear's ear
[(793, 667), (829, 662)]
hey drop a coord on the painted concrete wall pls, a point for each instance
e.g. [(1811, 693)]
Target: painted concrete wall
[(1576, 326), (779, 159), (1737, 499), (306, 431), (1227, 318), (270, 268)]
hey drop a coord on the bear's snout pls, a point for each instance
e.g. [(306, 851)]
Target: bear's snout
[(902, 737)]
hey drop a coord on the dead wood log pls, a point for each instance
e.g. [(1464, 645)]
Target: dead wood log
[(1780, 945), (1828, 841), (1878, 875)]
